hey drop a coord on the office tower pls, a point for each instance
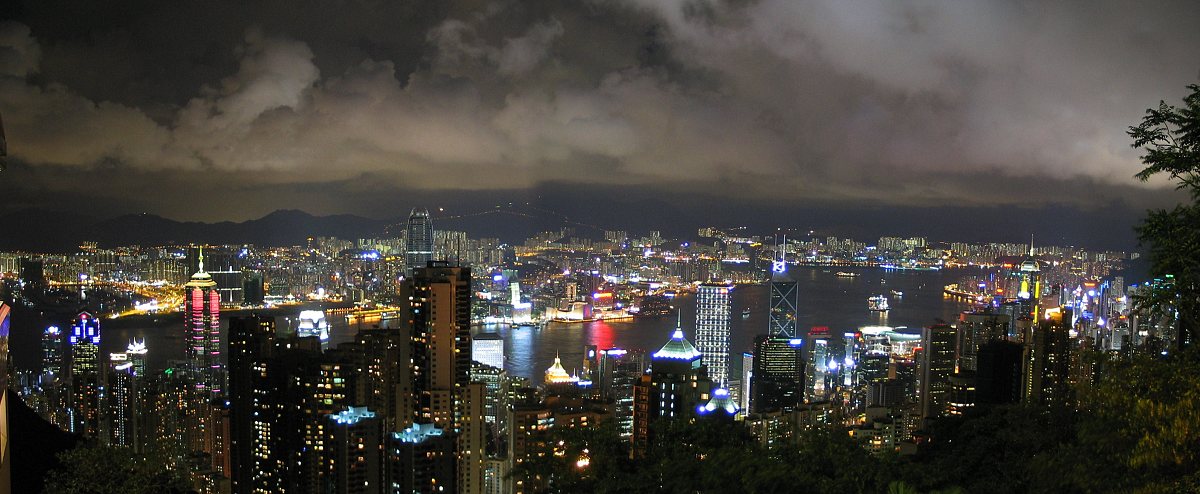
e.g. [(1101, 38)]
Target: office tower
[(617, 372), (1046, 362), (439, 322), (784, 303), (85, 375), (936, 365), (253, 288), (122, 401), (492, 380), (52, 352), (354, 454), (777, 375), (998, 374), (976, 328), (203, 322), (677, 383), (817, 377), (419, 244), (488, 349), (1030, 293), (714, 307)]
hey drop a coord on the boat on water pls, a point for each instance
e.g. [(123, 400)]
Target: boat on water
[(897, 293), (878, 303), (746, 313), (845, 274)]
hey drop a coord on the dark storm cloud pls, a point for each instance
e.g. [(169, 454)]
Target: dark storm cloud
[(915, 103)]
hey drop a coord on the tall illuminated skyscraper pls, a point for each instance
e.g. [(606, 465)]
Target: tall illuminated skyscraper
[(203, 322), (714, 307), (935, 368), (675, 385), (439, 321), (488, 349), (784, 302), (1030, 293), (52, 352), (85, 375), (419, 246)]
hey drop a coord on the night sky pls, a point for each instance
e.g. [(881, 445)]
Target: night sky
[(903, 113)]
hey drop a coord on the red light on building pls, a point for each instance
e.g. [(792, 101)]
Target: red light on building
[(821, 330)]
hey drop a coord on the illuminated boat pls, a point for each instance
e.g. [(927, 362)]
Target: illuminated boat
[(878, 303)]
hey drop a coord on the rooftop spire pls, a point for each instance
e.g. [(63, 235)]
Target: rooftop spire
[(1030, 245), (201, 267)]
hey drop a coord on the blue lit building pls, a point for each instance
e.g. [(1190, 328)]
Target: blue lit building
[(354, 452), (84, 399), (676, 385), (421, 460)]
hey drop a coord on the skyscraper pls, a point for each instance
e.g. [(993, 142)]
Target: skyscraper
[(618, 371), (1030, 293), (203, 322), (777, 374), (354, 452), (419, 246), (784, 303), (52, 352), (936, 367), (249, 344), (673, 389), (488, 349), (817, 378), (439, 323), (122, 403), (85, 375), (1046, 361), (714, 307)]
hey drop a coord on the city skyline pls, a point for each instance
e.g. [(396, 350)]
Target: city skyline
[(608, 246)]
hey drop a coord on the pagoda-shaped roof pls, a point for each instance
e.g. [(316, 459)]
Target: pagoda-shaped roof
[(557, 374), (678, 347), (201, 279), (721, 401)]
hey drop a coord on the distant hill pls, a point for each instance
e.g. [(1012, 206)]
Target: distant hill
[(52, 231)]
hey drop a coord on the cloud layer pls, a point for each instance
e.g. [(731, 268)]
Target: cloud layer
[(912, 102)]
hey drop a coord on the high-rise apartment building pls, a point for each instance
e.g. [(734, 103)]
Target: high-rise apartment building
[(439, 326)]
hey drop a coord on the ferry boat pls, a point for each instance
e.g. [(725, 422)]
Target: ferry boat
[(897, 293), (878, 303), (845, 274), (746, 313)]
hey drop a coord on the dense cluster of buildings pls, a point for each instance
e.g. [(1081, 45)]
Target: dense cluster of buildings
[(421, 405)]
